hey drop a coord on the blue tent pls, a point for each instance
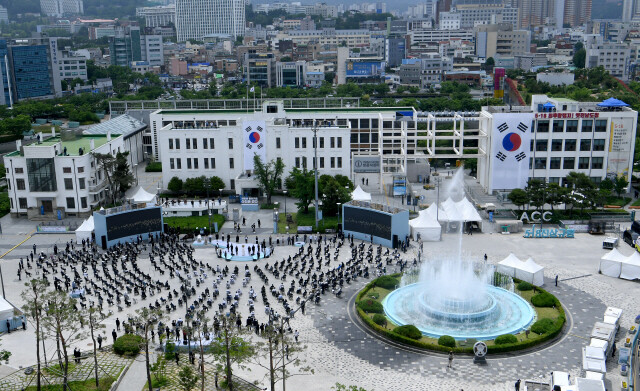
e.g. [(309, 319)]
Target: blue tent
[(548, 105), (613, 102)]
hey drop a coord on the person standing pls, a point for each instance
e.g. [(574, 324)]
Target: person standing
[(118, 324), (556, 280), (8, 327), (114, 335), (450, 360), (177, 358), (613, 350), (99, 341), (518, 385)]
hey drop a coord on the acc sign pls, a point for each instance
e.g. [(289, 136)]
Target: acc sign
[(535, 216)]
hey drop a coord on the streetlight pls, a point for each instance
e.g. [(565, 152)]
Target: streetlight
[(339, 203), (438, 181)]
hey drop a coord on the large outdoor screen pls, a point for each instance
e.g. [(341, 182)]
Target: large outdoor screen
[(367, 221), (135, 222)]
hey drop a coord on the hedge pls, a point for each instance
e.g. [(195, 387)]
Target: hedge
[(380, 319), (544, 299), (493, 349), (505, 339), (371, 306), (542, 326), (386, 282), (409, 331), (524, 286), (153, 167), (447, 340), (128, 344)]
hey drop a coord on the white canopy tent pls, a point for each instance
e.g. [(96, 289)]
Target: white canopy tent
[(85, 230), (426, 225), (611, 263), (528, 270), (630, 267), (141, 195), (360, 195), (6, 310), (468, 211)]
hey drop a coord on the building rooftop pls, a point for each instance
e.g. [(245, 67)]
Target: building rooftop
[(123, 124), (73, 146)]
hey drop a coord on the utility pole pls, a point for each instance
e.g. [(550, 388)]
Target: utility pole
[(315, 165)]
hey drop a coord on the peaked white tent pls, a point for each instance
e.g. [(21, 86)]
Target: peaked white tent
[(468, 211), (426, 225), (141, 195), (611, 263), (630, 267), (360, 195), (84, 230), (528, 270), (509, 265)]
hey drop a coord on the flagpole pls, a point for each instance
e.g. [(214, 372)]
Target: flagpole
[(247, 100)]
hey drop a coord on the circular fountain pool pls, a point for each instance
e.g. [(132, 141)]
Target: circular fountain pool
[(489, 313)]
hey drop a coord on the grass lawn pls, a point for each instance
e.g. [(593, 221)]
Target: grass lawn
[(636, 202), (190, 223), (617, 201), (87, 385), (307, 219)]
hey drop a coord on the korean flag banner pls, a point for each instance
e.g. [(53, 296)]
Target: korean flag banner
[(254, 140), (510, 140)]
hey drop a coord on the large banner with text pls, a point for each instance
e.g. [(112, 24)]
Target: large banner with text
[(620, 151), (510, 138), (254, 139)]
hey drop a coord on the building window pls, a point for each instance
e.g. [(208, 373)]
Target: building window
[(195, 143), (195, 163), (587, 125), (304, 162), (188, 161), (231, 165), (570, 145), (364, 138), (321, 162), (18, 170), (20, 184), (554, 180), (179, 163), (542, 145), (212, 143), (204, 144), (554, 163), (601, 125), (556, 145), (230, 143), (71, 203), (188, 143), (598, 144), (22, 203), (332, 142), (296, 142), (572, 126), (206, 163), (321, 142), (541, 163), (543, 127), (177, 143), (333, 162), (339, 162), (583, 163), (558, 126), (297, 162), (80, 170), (278, 143), (213, 163), (339, 142), (170, 143), (81, 183), (304, 142), (585, 145), (68, 183), (172, 164), (83, 202), (596, 163), (66, 170)]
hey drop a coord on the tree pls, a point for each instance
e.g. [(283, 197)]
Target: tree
[(147, 318), (280, 352), (229, 348), (344, 181), (579, 58), (301, 185), (122, 176), (536, 190), (95, 318), (16, 125), (620, 184), (33, 297), (342, 387), (187, 379), (332, 195), (489, 64), (555, 194), (518, 197), (175, 184), (268, 175), (583, 193), (217, 184), (64, 323)]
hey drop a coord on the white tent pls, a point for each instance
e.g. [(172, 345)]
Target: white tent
[(6, 310), (426, 225), (531, 272), (630, 267), (509, 265), (593, 359), (610, 263), (452, 213), (360, 195), (468, 211), (141, 195), (84, 230)]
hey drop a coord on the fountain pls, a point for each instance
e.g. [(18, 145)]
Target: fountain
[(457, 297)]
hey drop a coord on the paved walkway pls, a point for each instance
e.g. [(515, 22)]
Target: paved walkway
[(136, 376)]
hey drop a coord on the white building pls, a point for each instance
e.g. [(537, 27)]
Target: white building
[(163, 15), (196, 19), (152, 50), (614, 57), (60, 8), (4, 16), (450, 20)]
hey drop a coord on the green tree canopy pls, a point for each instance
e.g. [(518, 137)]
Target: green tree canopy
[(301, 185)]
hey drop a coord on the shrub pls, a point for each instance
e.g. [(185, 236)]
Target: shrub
[(544, 299), (524, 286), (543, 326), (409, 331), (447, 340), (371, 306), (153, 167), (175, 184), (380, 319), (386, 282), (128, 344), (170, 351), (505, 339)]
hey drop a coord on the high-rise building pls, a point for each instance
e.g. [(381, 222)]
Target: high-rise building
[(32, 75), (124, 47), (4, 15), (196, 19), (60, 8), (576, 12), (630, 10), (5, 86), (535, 12), (157, 16)]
